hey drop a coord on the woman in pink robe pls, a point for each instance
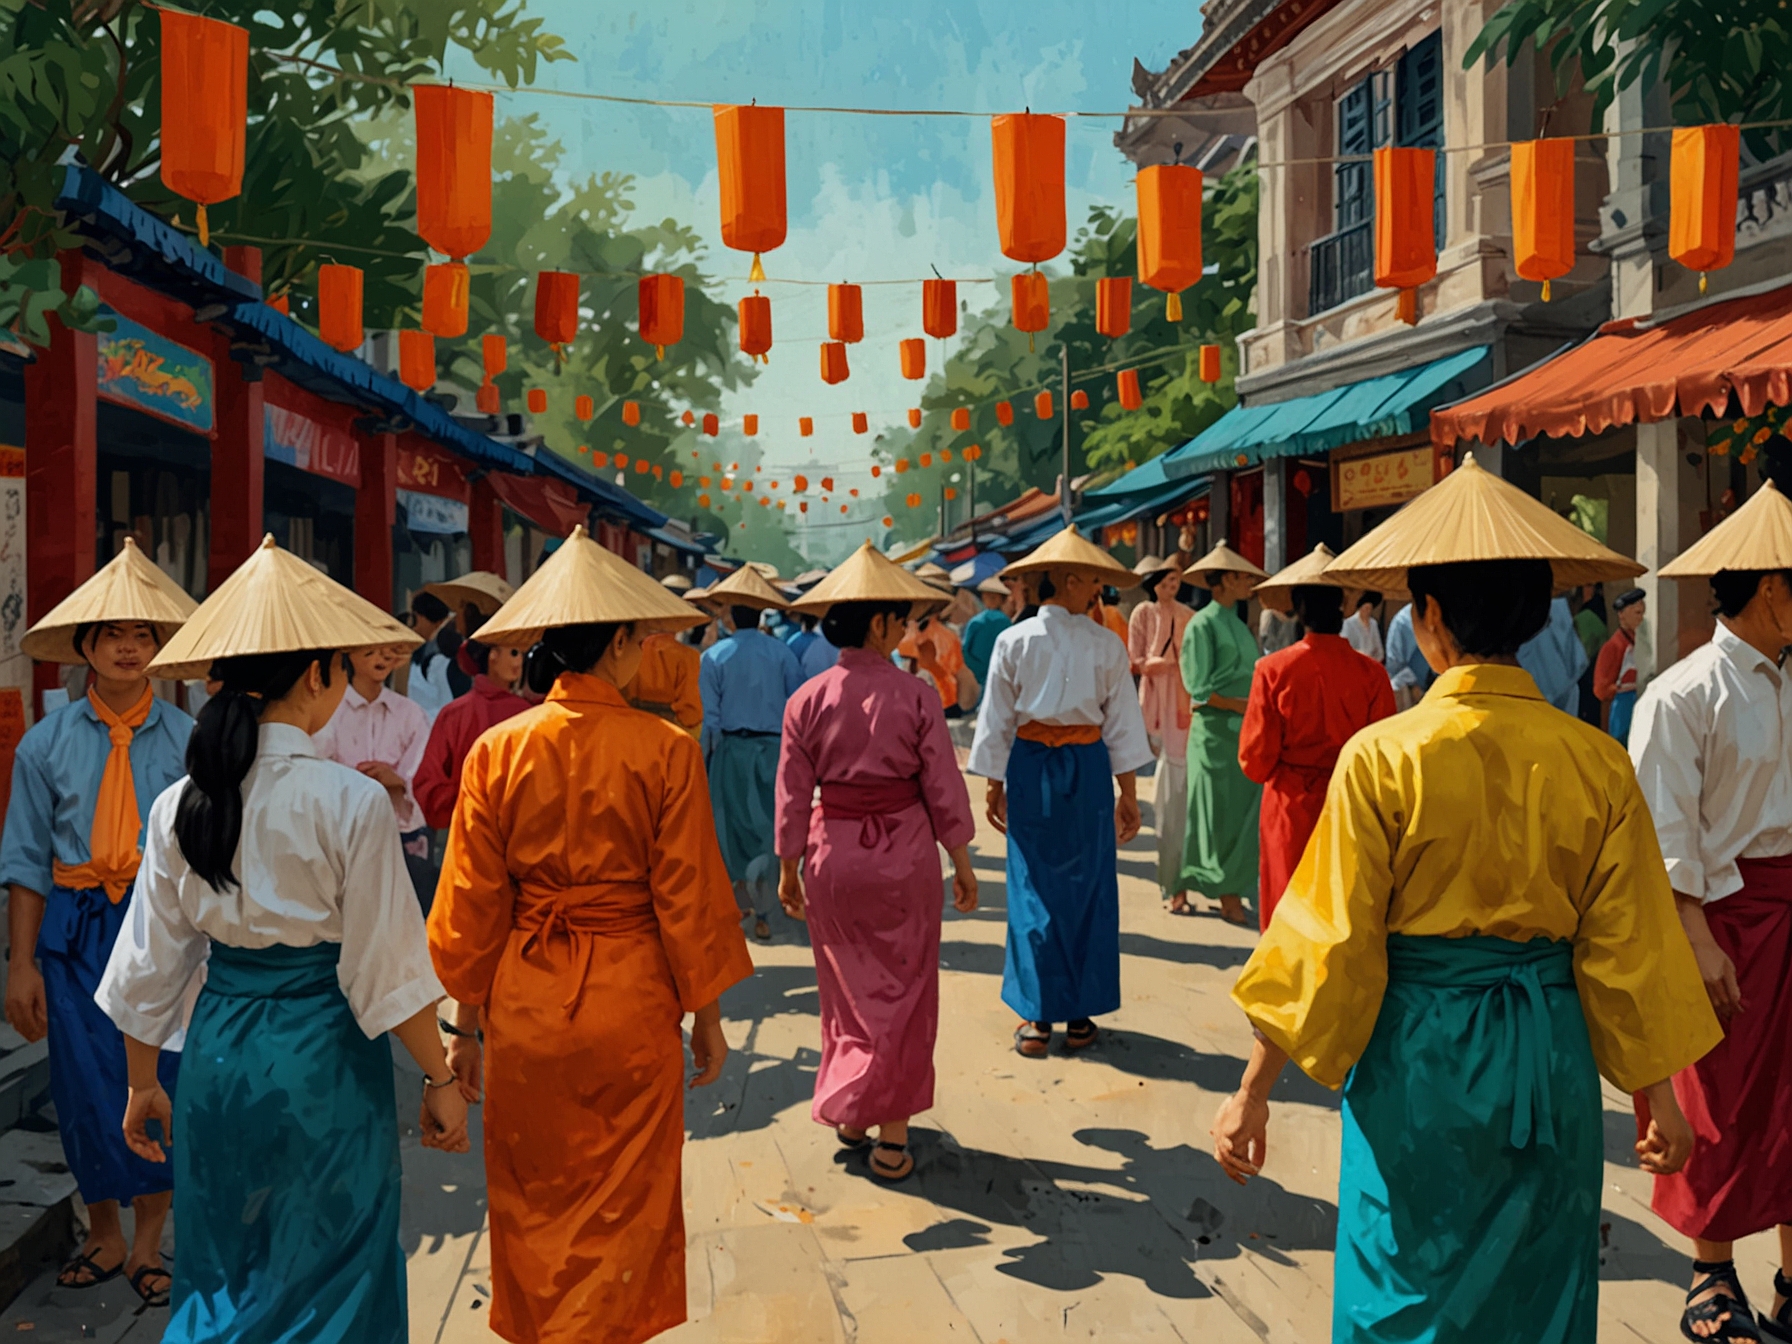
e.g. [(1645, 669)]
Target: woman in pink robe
[(874, 740)]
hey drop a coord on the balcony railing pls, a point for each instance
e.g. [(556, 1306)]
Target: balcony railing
[(1341, 266)]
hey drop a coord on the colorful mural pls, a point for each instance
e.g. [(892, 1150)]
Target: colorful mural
[(141, 369)]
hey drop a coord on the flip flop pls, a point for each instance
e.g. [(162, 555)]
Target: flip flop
[(1032, 1042), (152, 1296), (892, 1172), (86, 1262)]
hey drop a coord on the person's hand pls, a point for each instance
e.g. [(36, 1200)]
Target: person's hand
[(1127, 820), (1715, 969), (1241, 1135), (382, 772), (995, 805), (1667, 1145), (146, 1104), (26, 1009), (790, 893), (467, 1060), (1159, 664), (709, 1048), (443, 1119), (964, 890)]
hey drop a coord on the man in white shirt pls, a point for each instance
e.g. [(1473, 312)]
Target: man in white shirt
[(1059, 717), (1361, 628), (1712, 742)]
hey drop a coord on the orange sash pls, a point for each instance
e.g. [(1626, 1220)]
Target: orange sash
[(112, 842), (1060, 734)]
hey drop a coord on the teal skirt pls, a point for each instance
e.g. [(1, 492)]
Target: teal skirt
[(286, 1175), (1468, 1196)]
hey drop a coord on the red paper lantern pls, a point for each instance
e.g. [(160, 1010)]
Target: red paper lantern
[(961, 418), (660, 311), (846, 313), (1405, 230), (339, 306), (913, 352), (1029, 179), (280, 303), (939, 307), (805, 426), (1543, 209), (494, 354), (582, 408), (537, 401), (833, 362), (445, 289), (712, 425), (755, 326), (1113, 306), (640, 466), (205, 109), (1004, 413), (749, 425), (486, 400), (454, 168), (914, 499), (876, 471), (557, 309), (1169, 197), (1042, 405), (750, 166), (417, 360), (951, 493), (1032, 302), (621, 460), (1127, 383), (973, 454), (600, 459), (631, 413), (889, 521), (1079, 400), (914, 417), (1702, 199), (1210, 363), (860, 422), (799, 483)]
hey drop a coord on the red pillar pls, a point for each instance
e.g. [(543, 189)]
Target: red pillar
[(485, 527), (61, 481), (238, 432), (376, 513)]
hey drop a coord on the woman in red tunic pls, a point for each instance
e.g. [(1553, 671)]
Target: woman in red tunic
[(1306, 702)]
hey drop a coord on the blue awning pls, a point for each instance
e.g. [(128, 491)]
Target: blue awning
[(687, 545), (1395, 403)]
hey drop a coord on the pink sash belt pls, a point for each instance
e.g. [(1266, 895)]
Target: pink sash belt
[(871, 803)]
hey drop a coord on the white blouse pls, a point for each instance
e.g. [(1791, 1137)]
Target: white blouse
[(1710, 740), (319, 862), (1058, 668)]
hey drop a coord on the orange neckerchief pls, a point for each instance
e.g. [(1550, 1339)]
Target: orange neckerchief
[(112, 843)]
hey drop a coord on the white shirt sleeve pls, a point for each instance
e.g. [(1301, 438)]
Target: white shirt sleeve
[(1668, 749), (997, 716), (1122, 721), (158, 951), (385, 971)]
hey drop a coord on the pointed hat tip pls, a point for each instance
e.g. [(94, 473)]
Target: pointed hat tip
[(268, 543), (130, 541), (578, 533), (1468, 460)]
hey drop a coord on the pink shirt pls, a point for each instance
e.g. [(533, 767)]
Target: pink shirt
[(391, 729), (1154, 642)]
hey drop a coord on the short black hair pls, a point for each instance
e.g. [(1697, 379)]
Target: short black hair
[(567, 648), (1490, 607), (428, 606), (1370, 598), (479, 654), (1320, 607), (1215, 577), (745, 618), (1736, 588), (848, 624), (87, 629)]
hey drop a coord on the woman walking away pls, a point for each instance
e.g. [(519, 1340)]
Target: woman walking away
[(280, 875), (875, 740), (1154, 640), (584, 909)]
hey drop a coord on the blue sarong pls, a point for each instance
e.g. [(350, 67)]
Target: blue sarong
[(89, 1081), (1622, 712), (743, 784), (286, 1162), (1063, 960), (1468, 1197)]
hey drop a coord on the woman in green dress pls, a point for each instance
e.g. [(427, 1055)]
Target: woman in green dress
[(1219, 855)]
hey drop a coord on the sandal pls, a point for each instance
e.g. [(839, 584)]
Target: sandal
[(1033, 1039), (762, 931), (892, 1172), (1178, 905), (1778, 1327), (65, 1277), (1081, 1034), (156, 1296), (850, 1143), (1731, 1309)]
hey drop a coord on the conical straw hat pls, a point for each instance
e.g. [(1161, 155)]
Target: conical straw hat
[(1756, 536), (1151, 564), (676, 583), (276, 603), (1474, 515), (869, 576), (932, 571), (747, 587), (129, 588), (583, 584), (1277, 593), (481, 589), (1069, 550), (1225, 558)]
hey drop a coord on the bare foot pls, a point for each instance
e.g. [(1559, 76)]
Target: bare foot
[(1179, 903)]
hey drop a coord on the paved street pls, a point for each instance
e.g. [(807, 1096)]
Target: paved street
[(1066, 1199)]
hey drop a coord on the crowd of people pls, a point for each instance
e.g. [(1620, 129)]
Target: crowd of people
[(528, 832)]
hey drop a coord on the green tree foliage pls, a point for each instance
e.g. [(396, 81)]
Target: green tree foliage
[(1722, 60), (83, 75)]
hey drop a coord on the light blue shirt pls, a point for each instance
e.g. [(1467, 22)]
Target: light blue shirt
[(745, 680), (1406, 665), (979, 639), (800, 641), (1555, 658), (56, 777), (819, 656)]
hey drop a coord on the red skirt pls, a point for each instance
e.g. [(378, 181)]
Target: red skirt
[(1739, 1097)]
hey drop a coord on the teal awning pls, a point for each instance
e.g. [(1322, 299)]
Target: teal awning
[(1376, 408)]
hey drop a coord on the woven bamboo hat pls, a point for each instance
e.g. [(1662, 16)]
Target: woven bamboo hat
[(934, 572), (583, 584), (868, 576), (1277, 593), (1069, 550), (1151, 564), (1474, 515), (276, 603), (747, 587), (1756, 536), (129, 588), (993, 586), (481, 589), (1225, 558), (676, 583)]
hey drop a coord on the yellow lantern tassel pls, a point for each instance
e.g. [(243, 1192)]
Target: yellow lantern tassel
[(1406, 307), (757, 274), (1702, 278), (659, 352), (1173, 307), (1029, 342), (205, 233), (1546, 289)]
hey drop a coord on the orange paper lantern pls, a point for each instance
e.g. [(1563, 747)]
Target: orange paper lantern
[(445, 300), (676, 479), (582, 408), (913, 353), (860, 422), (494, 355), (805, 426), (486, 400), (945, 454), (1169, 197), (205, 110), (417, 360), (750, 166), (640, 466), (1210, 363), (339, 307), (537, 401), (901, 465), (454, 168), (280, 303), (659, 303), (973, 454), (939, 307), (1543, 209), (1127, 383), (876, 471), (799, 484), (631, 413), (914, 417), (749, 425), (755, 326), (926, 460), (914, 500), (1702, 205), (1079, 400), (846, 313), (703, 501), (1405, 231), (658, 472), (621, 460), (688, 418), (557, 309), (1029, 179), (1032, 302), (600, 459), (1004, 413), (833, 362), (889, 521), (712, 425), (1113, 306), (951, 493), (961, 418), (1042, 405)]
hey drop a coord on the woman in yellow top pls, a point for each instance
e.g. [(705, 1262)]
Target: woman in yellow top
[(1480, 925)]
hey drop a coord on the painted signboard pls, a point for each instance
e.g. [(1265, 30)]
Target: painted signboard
[(432, 472), (433, 513), (302, 442), (1382, 479), (148, 372)]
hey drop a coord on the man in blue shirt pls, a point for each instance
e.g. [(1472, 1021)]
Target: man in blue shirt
[(1407, 669), (1555, 658), (745, 681), (979, 636), (802, 636)]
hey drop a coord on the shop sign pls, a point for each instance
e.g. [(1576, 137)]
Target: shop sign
[(141, 369), (430, 471), (433, 513), (299, 441), (1381, 479), (12, 561)]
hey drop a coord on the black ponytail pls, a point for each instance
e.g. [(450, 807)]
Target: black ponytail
[(566, 648), (208, 822)]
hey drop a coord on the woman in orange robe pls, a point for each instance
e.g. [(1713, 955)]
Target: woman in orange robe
[(584, 909)]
